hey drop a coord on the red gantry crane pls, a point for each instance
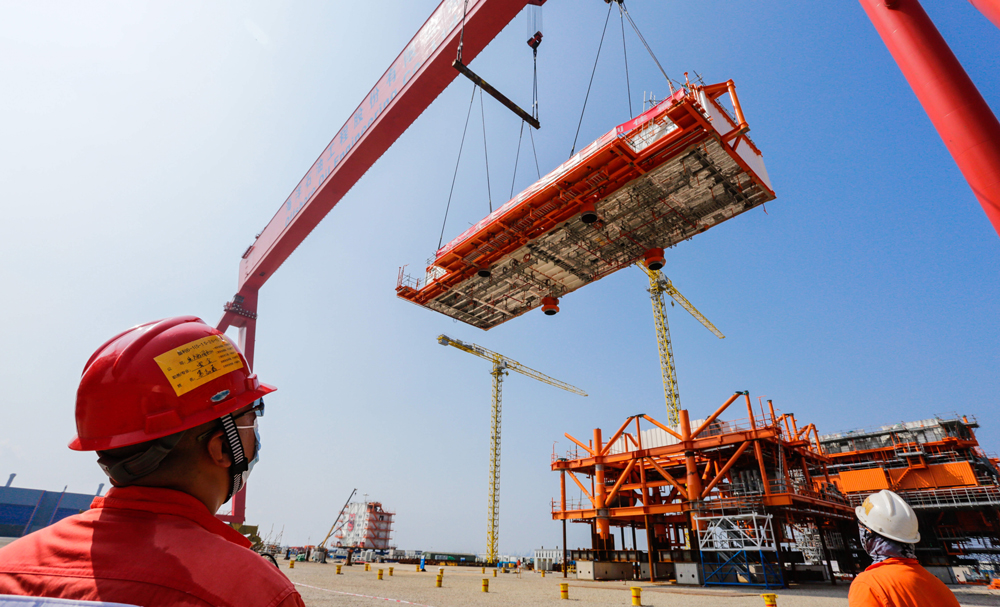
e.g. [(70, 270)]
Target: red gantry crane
[(427, 65)]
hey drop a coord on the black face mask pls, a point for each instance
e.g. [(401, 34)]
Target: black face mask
[(881, 548)]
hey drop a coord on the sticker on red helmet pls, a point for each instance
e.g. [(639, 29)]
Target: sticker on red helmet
[(198, 362)]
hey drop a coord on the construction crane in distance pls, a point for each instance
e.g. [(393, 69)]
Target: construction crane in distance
[(335, 526), (658, 285), (501, 366)]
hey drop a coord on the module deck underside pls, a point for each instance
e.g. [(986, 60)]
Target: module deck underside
[(699, 188)]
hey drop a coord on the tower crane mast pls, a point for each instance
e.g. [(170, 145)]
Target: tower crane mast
[(501, 366), (658, 285)]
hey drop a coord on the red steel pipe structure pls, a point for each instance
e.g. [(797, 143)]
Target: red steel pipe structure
[(414, 79), (961, 116), (989, 8)]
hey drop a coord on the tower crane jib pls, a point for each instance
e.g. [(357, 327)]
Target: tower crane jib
[(501, 367)]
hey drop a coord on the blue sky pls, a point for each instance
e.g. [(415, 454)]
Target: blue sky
[(145, 144)]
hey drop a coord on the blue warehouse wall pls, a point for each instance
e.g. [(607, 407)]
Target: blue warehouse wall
[(25, 510)]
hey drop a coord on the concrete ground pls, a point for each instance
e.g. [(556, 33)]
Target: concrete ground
[(321, 586)]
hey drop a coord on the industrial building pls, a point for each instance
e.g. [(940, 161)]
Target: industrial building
[(547, 559), (23, 511)]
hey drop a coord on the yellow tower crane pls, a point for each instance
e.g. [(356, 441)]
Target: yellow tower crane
[(658, 285), (501, 366)]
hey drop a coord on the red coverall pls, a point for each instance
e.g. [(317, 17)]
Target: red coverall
[(899, 583), (144, 546)]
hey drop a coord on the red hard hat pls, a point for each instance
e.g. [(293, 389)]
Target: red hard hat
[(157, 379)]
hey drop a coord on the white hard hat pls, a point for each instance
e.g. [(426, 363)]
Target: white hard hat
[(888, 515)]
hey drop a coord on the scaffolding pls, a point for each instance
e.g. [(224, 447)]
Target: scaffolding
[(738, 550)]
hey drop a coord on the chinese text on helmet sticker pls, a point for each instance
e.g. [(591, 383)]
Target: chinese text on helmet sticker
[(198, 362)]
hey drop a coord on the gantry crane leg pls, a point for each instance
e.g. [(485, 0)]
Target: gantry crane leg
[(493, 524)]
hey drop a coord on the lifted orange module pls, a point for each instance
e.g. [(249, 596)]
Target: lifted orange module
[(680, 168)]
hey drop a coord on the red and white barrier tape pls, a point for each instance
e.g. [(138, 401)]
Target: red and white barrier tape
[(366, 596)]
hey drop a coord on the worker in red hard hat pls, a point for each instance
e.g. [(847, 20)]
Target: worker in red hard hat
[(889, 534), (171, 409)]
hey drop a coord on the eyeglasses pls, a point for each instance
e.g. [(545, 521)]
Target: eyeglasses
[(257, 410)]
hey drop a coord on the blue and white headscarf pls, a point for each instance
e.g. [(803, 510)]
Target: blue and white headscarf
[(881, 548)]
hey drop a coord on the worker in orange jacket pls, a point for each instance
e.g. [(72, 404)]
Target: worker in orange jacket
[(889, 532), (171, 409)]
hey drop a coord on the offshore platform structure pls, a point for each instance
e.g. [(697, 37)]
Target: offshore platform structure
[(502, 365), (939, 468), (742, 501)]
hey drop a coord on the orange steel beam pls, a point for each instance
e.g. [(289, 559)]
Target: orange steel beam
[(600, 490), (562, 490), (607, 446), (798, 435), (621, 479), (763, 470), (582, 488), (582, 446), (720, 440), (693, 479), (717, 413), (725, 469), (634, 486), (662, 427), (667, 477), (753, 422)]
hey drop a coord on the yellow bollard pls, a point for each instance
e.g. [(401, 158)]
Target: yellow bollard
[(380, 574), (291, 564), (486, 584), (390, 571), (338, 569), (418, 568), (438, 580), (484, 569), (564, 591), (770, 600), (368, 567), (543, 573), (636, 595), (494, 573)]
